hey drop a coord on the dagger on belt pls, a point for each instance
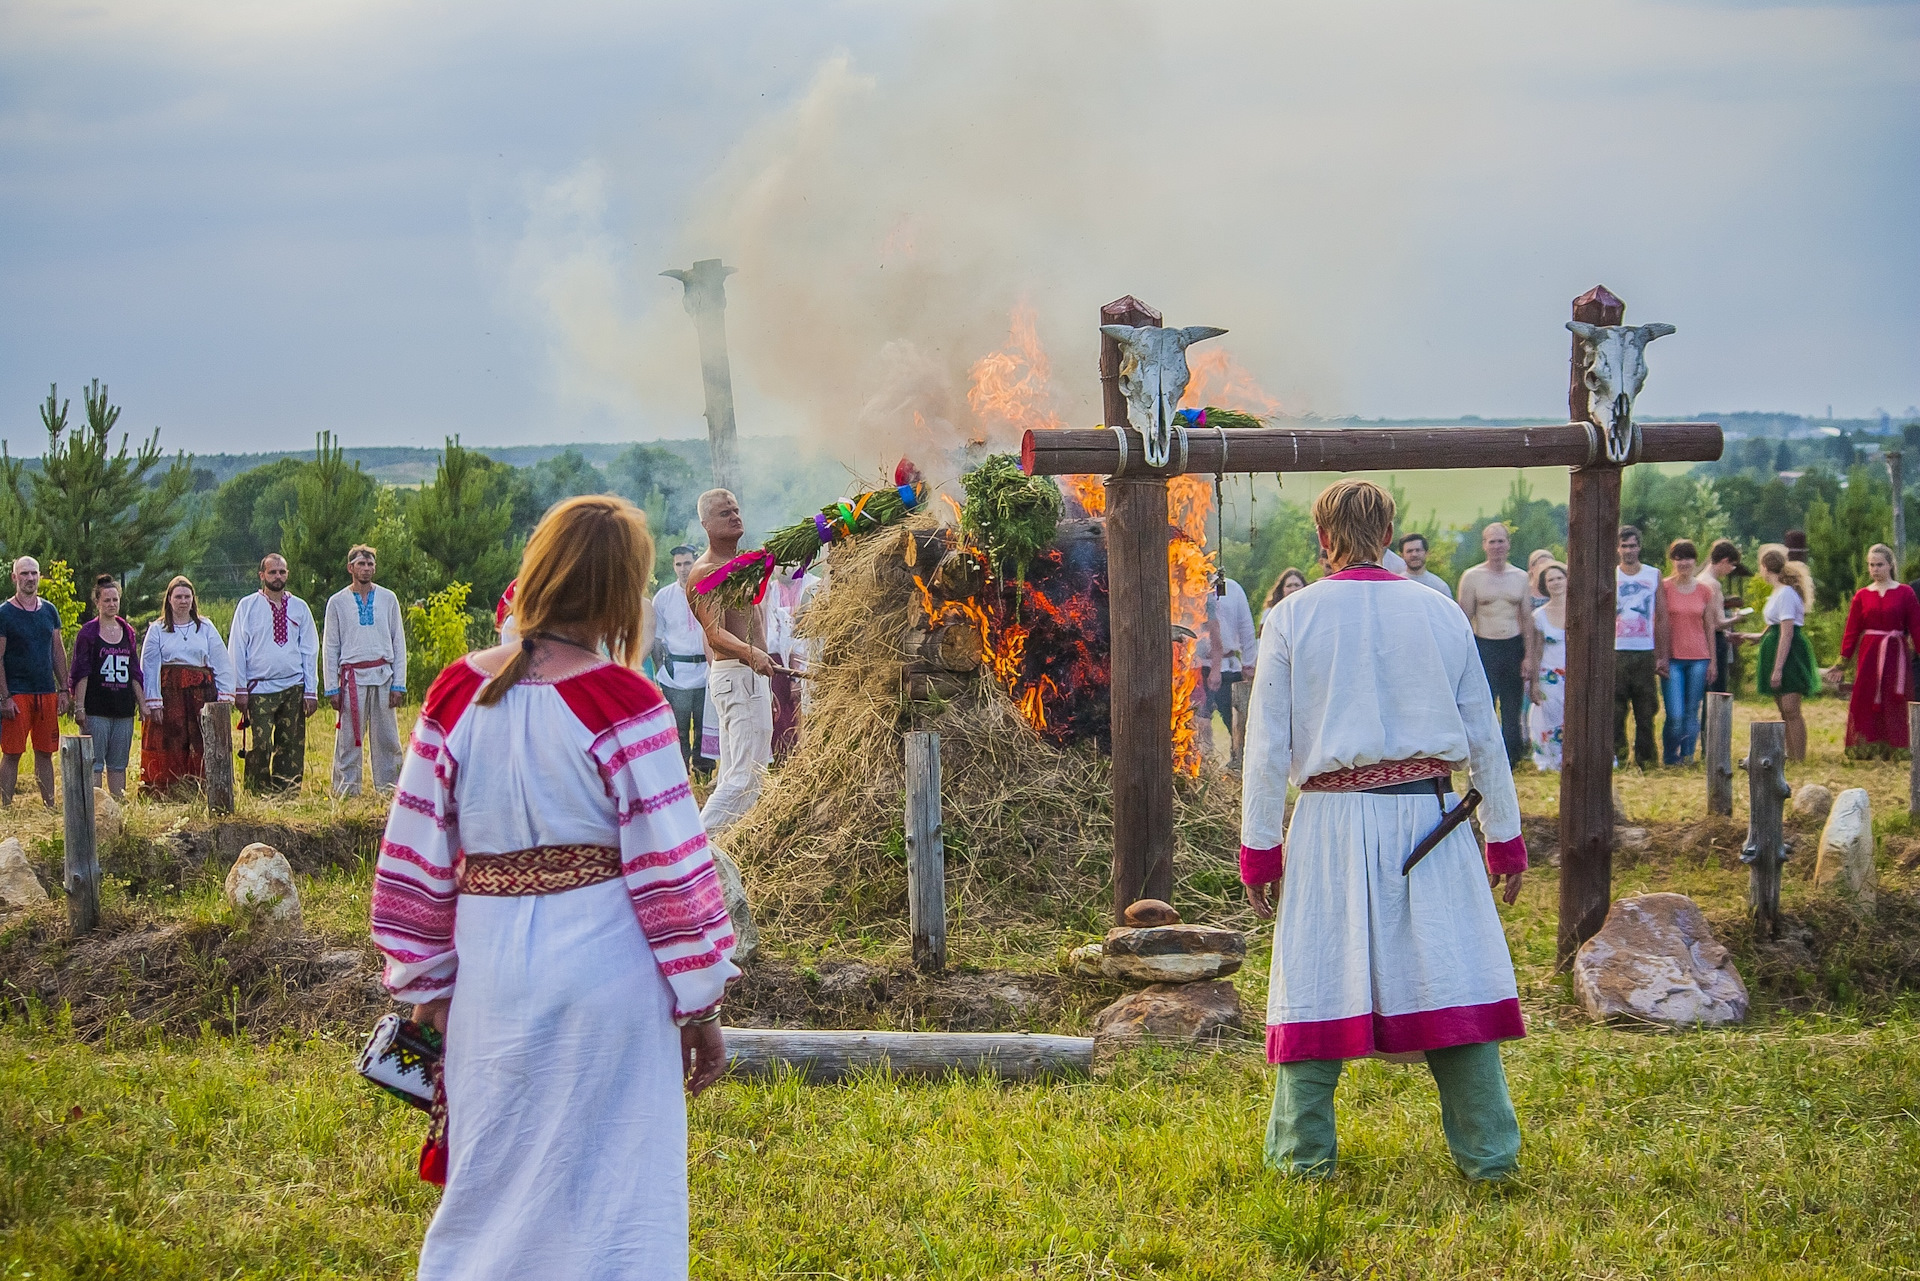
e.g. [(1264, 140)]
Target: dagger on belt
[(1448, 821)]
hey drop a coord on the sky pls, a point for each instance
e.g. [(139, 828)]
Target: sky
[(403, 220)]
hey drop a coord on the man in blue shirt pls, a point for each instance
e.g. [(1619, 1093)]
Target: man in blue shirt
[(33, 681)]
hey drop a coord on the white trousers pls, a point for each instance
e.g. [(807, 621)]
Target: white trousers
[(744, 700), (380, 730)]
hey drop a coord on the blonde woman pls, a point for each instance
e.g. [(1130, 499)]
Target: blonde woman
[(579, 992), (1547, 660), (1786, 660)]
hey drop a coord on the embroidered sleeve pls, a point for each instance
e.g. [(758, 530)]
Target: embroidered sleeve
[(666, 861), (1269, 757), (413, 885), (1487, 764)]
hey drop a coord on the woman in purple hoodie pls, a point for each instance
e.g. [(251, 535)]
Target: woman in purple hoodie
[(106, 685)]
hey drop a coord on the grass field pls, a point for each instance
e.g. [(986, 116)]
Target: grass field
[(1786, 1148)]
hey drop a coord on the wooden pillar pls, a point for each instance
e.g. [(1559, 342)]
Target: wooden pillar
[(1717, 743), (1766, 848), (1141, 699), (1899, 514), (706, 301), (926, 854), (82, 869), (216, 755), (1586, 774), (1913, 766)]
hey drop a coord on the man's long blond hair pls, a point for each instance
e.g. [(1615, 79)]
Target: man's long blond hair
[(1357, 517), (587, 566)]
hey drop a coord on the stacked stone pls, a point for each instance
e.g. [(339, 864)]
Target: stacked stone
[(1184, 968)]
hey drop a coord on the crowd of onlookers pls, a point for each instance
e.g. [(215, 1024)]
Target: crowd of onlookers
[(1675, 639)]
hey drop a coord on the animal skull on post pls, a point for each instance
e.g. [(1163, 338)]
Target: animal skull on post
[(1153, 377), (1614, 370)]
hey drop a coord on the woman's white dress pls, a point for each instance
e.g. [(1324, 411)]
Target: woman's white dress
[(1546, 722), (566, 1116), (1359, 669)]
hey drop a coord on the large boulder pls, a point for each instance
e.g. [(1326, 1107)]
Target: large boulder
[(1845, 865), (1811, 800), (1170, 1013), (733, 888), (19, 887), (261, 881), (1656, 961), (1172, 953)]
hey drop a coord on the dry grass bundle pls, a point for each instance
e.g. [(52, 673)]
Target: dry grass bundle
[(1028, 826)]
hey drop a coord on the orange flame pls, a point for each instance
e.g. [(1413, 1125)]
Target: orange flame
[(1219, 379), (1189, 573), (1011, 389)]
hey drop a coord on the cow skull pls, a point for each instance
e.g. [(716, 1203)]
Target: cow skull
[(1614, 368), (1153, 377)]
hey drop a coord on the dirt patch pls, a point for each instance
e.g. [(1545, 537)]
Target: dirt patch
[(1826, 959)]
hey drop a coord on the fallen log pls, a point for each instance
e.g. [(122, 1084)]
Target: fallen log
[(825, 1057)]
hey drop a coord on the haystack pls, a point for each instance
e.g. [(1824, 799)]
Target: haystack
[(1028, 825)]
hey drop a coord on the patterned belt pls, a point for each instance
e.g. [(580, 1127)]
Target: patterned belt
[(1367, 778), (544, 869)]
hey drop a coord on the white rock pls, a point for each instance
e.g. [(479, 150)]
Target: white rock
[(1812, 800), (1084, 961), (108, 818), (261, 880), (19, 887), (1634, 840), (1172, 953), (1656, 961), (733, 888), (1845, 865)]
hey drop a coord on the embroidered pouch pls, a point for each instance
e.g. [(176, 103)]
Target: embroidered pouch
[(403, 1058)]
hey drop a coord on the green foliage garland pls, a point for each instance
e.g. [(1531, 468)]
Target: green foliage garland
[(1011, 515)]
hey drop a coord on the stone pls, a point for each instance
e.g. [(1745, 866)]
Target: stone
[(1084, 961), (1812, 800), (1172, 953), (19, 887), (1151, 911), (1619, 808), (261, 880), (1171, 1013), (1634, 840), (1845, 865), (109, 820), (733, 888), (1656, 961)]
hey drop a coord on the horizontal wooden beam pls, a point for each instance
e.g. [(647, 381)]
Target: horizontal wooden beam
[(823, 1057), (1096, 452)]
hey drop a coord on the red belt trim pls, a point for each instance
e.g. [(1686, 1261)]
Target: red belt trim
[(1383, 774), (350, 686)]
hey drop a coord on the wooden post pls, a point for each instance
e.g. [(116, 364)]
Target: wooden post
[(926, 854), (82, 859), (1899, 515), (1586, 774), (824, 1057), (1913, 766), (706, 301), (216, 755), (1718, 740), (1766, 847), (1141, 705)]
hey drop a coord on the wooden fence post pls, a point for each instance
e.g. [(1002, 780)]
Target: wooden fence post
[(1719, 752), (216, 755), (926, 853), (82, 859), (1913, 766), (1766, 847)]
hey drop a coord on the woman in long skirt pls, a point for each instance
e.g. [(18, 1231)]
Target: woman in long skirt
[(579, 982), (1786, 660), (1547, 718), (1883, 624), (184, 665)]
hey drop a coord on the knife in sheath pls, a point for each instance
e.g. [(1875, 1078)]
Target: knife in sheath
[(1448, 821)]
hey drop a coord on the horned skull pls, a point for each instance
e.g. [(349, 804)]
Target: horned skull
[(1153, 377), (1614, 368)]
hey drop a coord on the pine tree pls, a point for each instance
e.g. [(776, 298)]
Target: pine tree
[(334, 507), (462, 522)]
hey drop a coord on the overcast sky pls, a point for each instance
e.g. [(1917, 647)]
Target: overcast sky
[(401, 220)]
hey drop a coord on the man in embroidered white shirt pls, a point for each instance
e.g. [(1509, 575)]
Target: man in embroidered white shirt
[(680, 659), (275, 649), (364, 664)]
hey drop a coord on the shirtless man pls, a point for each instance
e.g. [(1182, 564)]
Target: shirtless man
[(1495, 597), (738, 676)]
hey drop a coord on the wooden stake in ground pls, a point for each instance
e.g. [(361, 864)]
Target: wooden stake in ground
[(216, 755), (706, 301), (1716, 743), (926, 853), (1913, 764), (82, 859), (1766, 847)]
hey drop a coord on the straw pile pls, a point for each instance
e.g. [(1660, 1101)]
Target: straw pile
[(1028, 826)]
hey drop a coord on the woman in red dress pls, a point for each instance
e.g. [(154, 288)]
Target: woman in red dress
[(1882, 624)]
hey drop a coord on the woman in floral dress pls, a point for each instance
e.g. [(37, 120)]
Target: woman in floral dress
[(1546, 719)]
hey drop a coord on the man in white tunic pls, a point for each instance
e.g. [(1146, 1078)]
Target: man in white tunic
[(364, 664), (275, 649), (1367, 694), (680, 659)]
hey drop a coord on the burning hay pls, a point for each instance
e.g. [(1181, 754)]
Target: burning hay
[(1028, 822)]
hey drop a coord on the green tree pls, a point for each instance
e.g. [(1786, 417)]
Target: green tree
[(248, 513), (661, 481), (1838, 535), (403, 570), (1664, 508), (463, 522), (98, 509), (563, 476), (1283, 539), (334, 504)]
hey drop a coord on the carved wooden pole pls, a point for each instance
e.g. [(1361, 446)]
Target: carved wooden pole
[(1766, 847), (82, 859), (1719, 753), (1141, 706), (926, 854), (1586, 774), (706, 302)]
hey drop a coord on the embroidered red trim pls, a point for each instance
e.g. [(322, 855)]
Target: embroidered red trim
[(1381, 774), (545, 869)]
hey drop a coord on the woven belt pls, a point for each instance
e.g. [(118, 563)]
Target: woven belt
[(1380, 776), (545, 869)]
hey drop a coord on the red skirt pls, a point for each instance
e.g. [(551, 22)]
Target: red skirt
[(170, 755), (1877, 712)]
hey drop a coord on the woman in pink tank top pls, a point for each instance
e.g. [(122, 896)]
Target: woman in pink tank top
[(1690, 664)]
